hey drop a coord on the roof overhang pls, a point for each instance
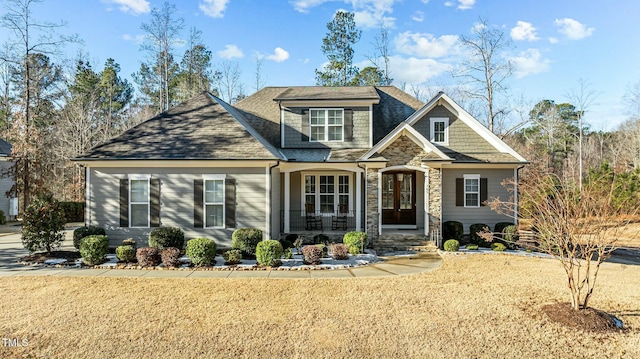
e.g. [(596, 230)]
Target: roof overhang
[(182, 163)]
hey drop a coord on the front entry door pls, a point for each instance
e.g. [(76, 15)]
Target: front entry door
[(399, 198)]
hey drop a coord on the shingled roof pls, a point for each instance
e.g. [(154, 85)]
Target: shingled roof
[(202, 128)]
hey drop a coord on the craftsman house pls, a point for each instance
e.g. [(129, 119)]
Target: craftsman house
[(300, 160)]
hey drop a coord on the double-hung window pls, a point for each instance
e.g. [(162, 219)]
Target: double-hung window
[(327, 192), (139, 201), (440, 130), (326, 125), (214, 201), (472, 190)]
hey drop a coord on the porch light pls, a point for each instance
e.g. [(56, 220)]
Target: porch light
[(400, 177)]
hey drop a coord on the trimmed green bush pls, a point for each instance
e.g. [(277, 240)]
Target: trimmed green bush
[(287, 242), (500, 226), (355, 241), (126, 253), (325, 249), (93, 249), (288, 253), (312, 255), (474, 237), (201, 251), (129, 242), (321, 239), (498, 247), (165, 237), (232, 257), (43, 224), (246, 240), (339, 251), (82, 232), (453, 230), (3, 218), (170, 257), (268, 253), (148, 256), (451, 245), (471, 247)]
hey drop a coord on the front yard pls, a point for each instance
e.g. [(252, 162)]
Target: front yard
[(473, 306)]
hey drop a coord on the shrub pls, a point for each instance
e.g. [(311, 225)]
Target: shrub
[(451, 245), (3, 218), (473, 234), (201, 251), (500, 226), (126, 253), (312, 255), (324, 248), (268, 253), (288, 253), (246, 240), (73, 211), (82, 232), (498, 247), (472, 247), (165, 237), (321, 239), (129, 242), (298, 244), (453, 230), (339, 251), (354, 241), (93, 249), (170, 257), (43, 224), (287, 242), (509, 236), (232, 257), (148, 256)]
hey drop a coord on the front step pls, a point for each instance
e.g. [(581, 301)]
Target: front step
[(402, 243)]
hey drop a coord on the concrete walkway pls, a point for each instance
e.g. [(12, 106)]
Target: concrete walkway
[(11, 249)]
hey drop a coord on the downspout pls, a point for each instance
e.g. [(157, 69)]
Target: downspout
[(269, 196)]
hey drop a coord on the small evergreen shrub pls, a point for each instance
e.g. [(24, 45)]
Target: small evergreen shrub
[(355, 241), (3, 218), (500, 226), (82, 232), (148, 256), (170, 257), (510, 236), (287, 242), (451, 245), (246, 240), (268, 253), (472, 247), (43, 224), (339, 251), (93, 249), (165, 237), (129, 242), (325, 249), (288, 253), (232, 257), (453, 230), (126, 253), (201, 251), (312, 255), (474, 237), (498, 247), (321, 239)]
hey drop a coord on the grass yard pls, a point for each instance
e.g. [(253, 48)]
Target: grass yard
[(476, 306)]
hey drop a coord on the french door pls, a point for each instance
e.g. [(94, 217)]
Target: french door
[(399, 198)]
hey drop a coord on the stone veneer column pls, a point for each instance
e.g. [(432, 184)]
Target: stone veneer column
[(372, 204), (435, 196)]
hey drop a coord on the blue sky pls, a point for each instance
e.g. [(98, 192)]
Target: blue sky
[(556, 42)]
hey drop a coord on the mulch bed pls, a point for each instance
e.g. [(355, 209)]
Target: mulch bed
[(589, 319), (40, 257)]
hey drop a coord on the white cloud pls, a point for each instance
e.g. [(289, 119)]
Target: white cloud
[(135, 7), (213, 8), (279, 55), (138, 39), (573, 29), (553, 40), (304, 5), (529, 62), (414, 70), (462, 4), (418, 16), (370, 20), (230, 52), (367, 13), (524, 31), (425, 45)]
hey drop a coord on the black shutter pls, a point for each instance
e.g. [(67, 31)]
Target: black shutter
[(124, 202), (230, 202), (197, 203), (483, 191), (460, 192), (155, 202), (348, 125), (304, 126)]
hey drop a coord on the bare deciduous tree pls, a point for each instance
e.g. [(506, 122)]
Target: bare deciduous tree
[(227, 81)]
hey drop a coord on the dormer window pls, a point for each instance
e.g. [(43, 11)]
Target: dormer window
[(440, 130), (326, 125)]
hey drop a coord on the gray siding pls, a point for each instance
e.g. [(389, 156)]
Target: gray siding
[(176, 201), (292, 122), (469, 216), (5, 185)]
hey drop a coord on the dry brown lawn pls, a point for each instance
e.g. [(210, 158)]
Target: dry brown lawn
[(476, 306)]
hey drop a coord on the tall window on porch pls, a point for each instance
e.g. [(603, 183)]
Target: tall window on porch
[(326, 192)]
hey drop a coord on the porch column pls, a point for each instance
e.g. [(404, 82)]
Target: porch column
[(358, 201), (287, 201)]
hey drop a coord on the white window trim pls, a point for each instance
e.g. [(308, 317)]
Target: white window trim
[(433, 121), (336, 192), (139, 177), (214, 177), (464, 189), (326, 124)]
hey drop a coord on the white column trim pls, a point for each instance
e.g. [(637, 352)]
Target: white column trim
[(287, 202), (267, 227), (515, 196), (358, 201), (87, 196), (379, 203), (426, 203)]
